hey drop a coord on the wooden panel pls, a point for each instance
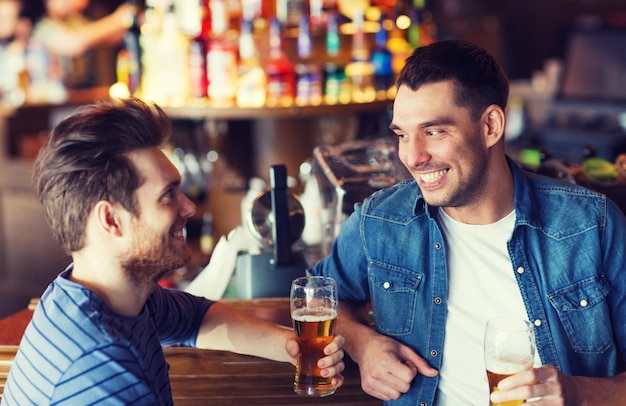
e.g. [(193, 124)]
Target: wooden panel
[(224, 378)]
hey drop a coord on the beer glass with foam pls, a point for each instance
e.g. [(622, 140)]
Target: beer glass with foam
[(313, 314), (509, 349)]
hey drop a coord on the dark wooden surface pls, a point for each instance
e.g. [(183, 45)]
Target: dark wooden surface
[(200, 377)]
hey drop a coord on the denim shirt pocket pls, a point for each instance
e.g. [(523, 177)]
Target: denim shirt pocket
[(394, 296), (583, 312)]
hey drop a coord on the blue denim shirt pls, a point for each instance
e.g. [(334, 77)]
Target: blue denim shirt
[(567, 253)]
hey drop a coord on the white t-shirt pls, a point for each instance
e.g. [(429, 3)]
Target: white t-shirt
[(481, 286)]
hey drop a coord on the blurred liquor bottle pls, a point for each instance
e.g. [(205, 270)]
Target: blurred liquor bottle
[(334, 80), (360, 70), (381, 59), (198, 49), (221, 58), (308, 73), (318, 13), (252, 83), (150, 33), (129, 56), (172, 68), (281, 75), (288, 12)]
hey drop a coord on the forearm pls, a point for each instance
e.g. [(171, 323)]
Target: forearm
[(73, 41), (354, 325), (597, 391), (228, 329)]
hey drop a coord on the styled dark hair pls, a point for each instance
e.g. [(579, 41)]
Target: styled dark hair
[(479, 80), (85, 160)]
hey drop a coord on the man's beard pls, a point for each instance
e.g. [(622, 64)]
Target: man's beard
[(152, 257)]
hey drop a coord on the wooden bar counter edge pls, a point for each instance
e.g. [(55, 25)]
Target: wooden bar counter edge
[(201, 377)]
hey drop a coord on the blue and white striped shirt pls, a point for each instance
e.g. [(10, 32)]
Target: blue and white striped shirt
[(78, 351)]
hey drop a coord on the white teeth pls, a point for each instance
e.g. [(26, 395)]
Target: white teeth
[(432, 176)]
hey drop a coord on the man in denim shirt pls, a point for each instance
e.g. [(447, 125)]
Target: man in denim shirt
[(472, 237)]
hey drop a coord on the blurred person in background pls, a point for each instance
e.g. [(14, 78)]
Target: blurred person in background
[(68, 36), (14, 32)]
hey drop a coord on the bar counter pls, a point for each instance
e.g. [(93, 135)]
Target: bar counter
[(201, 377)]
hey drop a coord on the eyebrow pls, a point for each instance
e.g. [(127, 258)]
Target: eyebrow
[(446, 120)]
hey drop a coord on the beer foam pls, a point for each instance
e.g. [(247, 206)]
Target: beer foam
[(315, 314), (508, 366)]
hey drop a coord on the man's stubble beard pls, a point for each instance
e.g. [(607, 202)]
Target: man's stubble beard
[(152, 257)]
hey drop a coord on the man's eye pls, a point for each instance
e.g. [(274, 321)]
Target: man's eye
[(433, 132), (169, 194), (395, 134)]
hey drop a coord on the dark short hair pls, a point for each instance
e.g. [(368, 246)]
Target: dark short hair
[(479, 80), (85, 160)]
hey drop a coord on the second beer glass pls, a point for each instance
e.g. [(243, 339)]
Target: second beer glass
[(509, 349), (314, 315)]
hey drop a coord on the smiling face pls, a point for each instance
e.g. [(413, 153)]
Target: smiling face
[(445, 151), (158, 242)]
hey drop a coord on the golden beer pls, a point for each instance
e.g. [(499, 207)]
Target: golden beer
[(315, 329), (505, 367), (494, 380)]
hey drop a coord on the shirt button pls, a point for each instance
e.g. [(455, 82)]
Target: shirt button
[(423, 404), (438, 246), (433, 353), (438, 300), (520, 270), (386, 285), (537, 323), (583, 303)]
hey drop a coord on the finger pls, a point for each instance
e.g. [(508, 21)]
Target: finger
[(292, 348), (392, 381), (337, 343), (518, 393), (337, 381), (418, 363), (381, 392), (331, 359), (334, 370)]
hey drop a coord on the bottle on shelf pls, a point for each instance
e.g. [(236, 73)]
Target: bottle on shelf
[(128, 67), (252, 83), (316, 14), (360, 70), (381, 59), (319, 10), (281, 75), (308, 73), (150, 35), (288, 12), (221, 58), (414, 32), (207, 239), (172, 48), (334, 81), (198, 48)]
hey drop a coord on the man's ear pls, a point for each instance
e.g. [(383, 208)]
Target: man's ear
[(109, 217), (494, 119)]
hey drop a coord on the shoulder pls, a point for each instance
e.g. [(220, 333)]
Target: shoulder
[(561, 209), (398, 202), (560, 195)]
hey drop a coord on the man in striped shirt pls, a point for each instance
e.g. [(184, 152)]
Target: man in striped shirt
[(113, 201)]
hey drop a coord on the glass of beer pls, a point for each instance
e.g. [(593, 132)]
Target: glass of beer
[(314, 315), (509, 349)]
